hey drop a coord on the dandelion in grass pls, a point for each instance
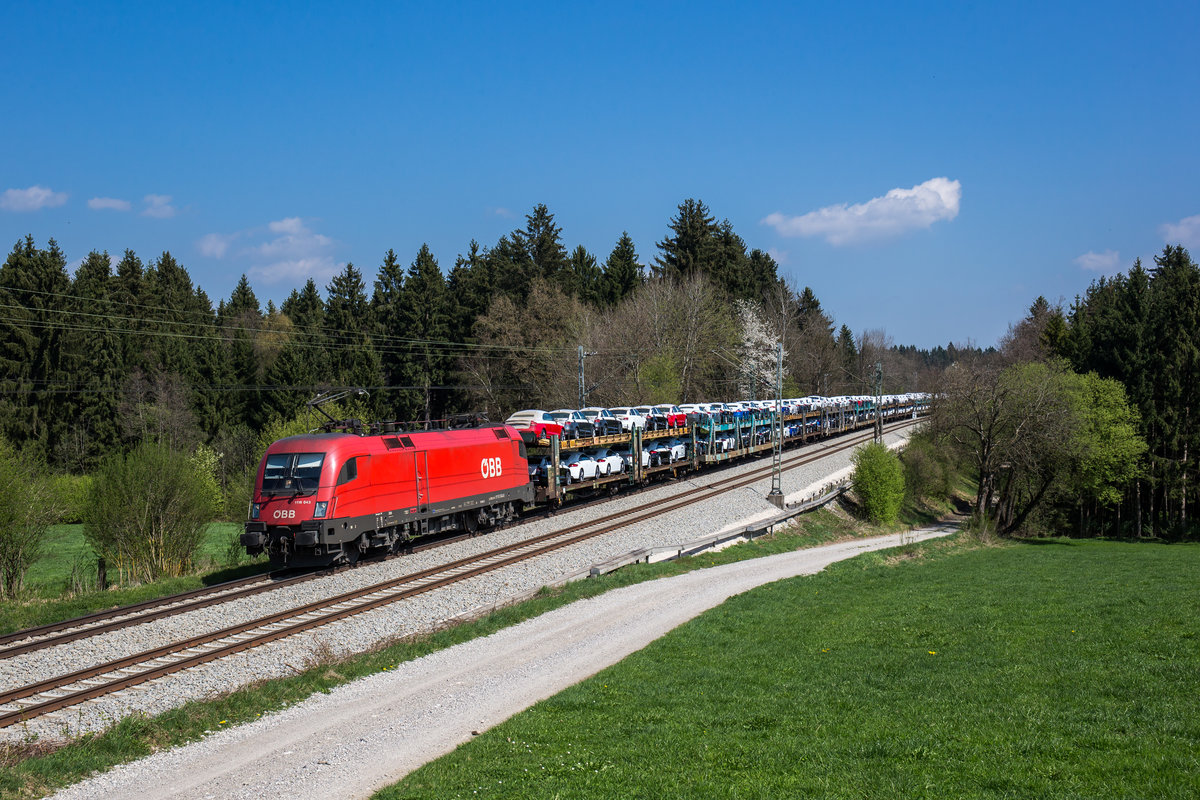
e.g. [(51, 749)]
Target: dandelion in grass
[(933, 652)]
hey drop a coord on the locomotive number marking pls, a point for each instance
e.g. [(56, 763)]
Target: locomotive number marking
[(490, 468), (285, 513)]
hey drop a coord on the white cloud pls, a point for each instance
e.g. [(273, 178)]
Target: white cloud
[(1185, 232), (159, 206), (897, 211), (292, 225), (108, 203), (500, 211), (31, 199), (780, 256), (295, 271), (296, 241), (216, 245), (285, 251), (1099, 262)]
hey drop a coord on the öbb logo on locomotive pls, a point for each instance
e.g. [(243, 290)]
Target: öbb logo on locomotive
[(490, 468)]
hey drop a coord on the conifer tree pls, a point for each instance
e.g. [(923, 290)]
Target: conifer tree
[(425, 317), (32, 284), (471, 287), (849, 354), (306, 311), (584, 276), (241, 322), (730, 266), (94, 358), (692, 245), (622, 272), (542, 241), (387, 310), (511, 267), (129, 296), (348, 327), (762, 274)]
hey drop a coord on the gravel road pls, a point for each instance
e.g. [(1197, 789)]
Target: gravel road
[(372, 732)]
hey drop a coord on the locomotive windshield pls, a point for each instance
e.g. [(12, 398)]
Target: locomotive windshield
[(292, 473)]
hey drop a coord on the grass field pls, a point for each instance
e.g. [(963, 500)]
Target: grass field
[(1050, 669)]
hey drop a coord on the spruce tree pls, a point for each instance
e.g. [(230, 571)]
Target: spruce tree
[(129, 297), (730, 266), (32, 284), (306, 311), (542, 241), (584, 276), (622, 272), (511, 267), (387, 311), (94, 354), (472, 287), (425, 319), (848, 352), (241, 322), (692, 245), (348, 327), (762, 274)]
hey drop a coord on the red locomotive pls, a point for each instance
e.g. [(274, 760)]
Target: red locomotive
[(330, 497)]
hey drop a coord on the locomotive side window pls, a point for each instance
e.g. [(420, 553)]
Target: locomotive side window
[(296, 473), (348, 472)]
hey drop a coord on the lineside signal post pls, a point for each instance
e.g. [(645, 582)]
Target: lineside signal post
[(776, 495)]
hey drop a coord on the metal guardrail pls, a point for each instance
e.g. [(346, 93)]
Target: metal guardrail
[(750, 532), (663, 553)]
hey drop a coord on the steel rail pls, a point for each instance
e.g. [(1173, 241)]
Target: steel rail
[(160, 608), (97, 617)]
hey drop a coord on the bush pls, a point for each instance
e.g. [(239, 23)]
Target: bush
[(879, 482), (27, 509), (148, 511), (70, 494), (238, 495), (205, 463), (927, 469)]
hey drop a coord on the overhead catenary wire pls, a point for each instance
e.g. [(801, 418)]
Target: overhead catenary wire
[(210, 321)]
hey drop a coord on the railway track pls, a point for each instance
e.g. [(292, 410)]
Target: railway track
[(58, 633), (44, 697), (114, 619)]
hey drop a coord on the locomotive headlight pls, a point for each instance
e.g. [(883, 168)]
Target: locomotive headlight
[(320, 508), (255, 510)]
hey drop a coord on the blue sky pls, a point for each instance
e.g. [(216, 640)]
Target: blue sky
[(928, 169)]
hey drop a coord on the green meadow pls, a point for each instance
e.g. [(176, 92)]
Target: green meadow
[(1054, 668)]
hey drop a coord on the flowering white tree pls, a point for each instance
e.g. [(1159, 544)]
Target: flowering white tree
[(756, 351)]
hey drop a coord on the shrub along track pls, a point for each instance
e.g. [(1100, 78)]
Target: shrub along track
[(43, 697)]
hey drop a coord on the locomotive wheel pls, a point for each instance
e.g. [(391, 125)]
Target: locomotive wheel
[(351, 553)]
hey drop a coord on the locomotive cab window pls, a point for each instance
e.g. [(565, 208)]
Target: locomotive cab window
[(348, 472), (292, 473)]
